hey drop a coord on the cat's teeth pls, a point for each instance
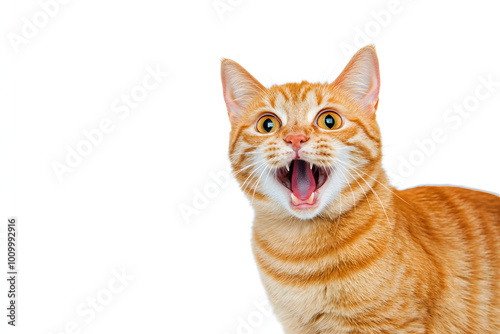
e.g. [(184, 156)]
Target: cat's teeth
[(287, 167), (310, 200), (296, 201), (311, 165)]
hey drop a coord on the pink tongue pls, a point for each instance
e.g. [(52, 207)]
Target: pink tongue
[(303, 184)]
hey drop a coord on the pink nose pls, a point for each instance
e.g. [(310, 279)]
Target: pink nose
[(296, 140)]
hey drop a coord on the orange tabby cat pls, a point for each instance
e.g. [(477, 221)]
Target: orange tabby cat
[(339, 249)]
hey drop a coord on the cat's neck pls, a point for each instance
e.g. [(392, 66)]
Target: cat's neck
[(365, 215)]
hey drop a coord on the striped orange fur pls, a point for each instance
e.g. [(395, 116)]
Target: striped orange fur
[(339, 249)]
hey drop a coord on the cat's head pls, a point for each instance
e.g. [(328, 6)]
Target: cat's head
[(297, 148)]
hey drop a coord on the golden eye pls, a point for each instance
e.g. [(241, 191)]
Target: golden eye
[(268, 124), (329, 120)]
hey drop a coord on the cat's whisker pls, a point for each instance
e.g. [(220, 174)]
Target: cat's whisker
[(269, 171), (340, 211), (232, 158), (360, 186), (383, 185), (382, 204), (261, 168), (337, 226), (246, 167), (249, 179), (238, 154), (352, 192), (258, 182), (356, 180), (243, 187)]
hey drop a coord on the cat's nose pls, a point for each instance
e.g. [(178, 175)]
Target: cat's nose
[(296, 139)]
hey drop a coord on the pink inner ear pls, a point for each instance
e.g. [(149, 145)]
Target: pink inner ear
[(361, 78), (232, 107), (371, 97), (232, 111), (231, 103), (239, 87)]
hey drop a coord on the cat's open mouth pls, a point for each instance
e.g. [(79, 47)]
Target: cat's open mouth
[(303, 179)]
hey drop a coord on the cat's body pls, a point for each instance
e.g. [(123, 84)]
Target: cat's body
[(435, 269), (338, 248)]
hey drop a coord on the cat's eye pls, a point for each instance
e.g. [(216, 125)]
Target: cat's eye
[(268, 124), (329, 120)]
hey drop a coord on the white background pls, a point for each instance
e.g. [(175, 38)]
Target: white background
[(120, 208)]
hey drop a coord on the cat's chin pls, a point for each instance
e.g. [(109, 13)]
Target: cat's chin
[(306, 210)]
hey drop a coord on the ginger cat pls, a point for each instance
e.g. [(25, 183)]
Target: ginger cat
[(339, 249)]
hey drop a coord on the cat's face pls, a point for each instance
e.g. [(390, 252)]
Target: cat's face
[(298, 147)]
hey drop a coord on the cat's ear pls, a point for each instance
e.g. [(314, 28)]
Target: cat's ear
[(361, 78), (239, 88)]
